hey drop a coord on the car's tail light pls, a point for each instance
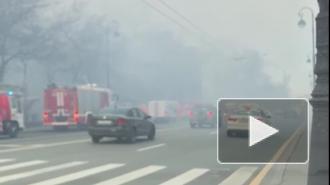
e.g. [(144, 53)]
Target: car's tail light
[(190, 114), (76, 117), (209, 115), (121, 121), (45, 117)]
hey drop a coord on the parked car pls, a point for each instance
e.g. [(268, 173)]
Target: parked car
[(120, 123)]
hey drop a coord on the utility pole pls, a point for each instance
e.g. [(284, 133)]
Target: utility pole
[(107, 41), (302, 23), (25, 92), (111, 33), (318, 173)]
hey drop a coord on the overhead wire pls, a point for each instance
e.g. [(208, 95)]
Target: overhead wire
[(165, 15), (181, 15)]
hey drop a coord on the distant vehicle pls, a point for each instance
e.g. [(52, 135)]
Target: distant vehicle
[(237, 122), (121, 123), (69, 106), (163, 111), (11, 113), (203, 115)]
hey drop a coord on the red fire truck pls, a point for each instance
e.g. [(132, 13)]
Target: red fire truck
[(69, 106), (11, 111)]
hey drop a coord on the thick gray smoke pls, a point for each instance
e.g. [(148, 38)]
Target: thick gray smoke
[(154, 65)]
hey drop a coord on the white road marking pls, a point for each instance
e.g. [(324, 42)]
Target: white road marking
[(21, 165), (240, 176), (128, 177), (49, 136), (78, 175), (6, 160), (44, 146), (151, 147), (186, 177), (39, 171)]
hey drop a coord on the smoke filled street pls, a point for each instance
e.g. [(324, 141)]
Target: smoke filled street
[(147, 92), (171, 158)]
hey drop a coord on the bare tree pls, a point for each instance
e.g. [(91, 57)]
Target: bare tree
[(17, 30)]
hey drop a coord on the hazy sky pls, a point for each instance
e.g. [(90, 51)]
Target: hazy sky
[(268, 26)]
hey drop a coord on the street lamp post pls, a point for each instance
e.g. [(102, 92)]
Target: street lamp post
[(318, 168), (302, 24), (111, 32)]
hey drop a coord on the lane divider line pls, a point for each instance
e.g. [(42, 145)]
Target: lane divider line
[(151, 147), (266, 169), (46, 136), (38, 146)]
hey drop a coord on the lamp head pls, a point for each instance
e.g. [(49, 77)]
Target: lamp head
[(301, 22)]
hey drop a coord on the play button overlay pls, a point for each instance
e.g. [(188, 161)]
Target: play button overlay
[(262, 131), (259, 131)]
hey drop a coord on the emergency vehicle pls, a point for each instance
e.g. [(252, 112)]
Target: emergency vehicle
[(11, 110), (69, 106), (163, 111)]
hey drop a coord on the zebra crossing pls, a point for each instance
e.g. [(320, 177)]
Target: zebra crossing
[(12, 170)]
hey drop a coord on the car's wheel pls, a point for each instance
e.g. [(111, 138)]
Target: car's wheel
[(152, 133), (131, 138), (96, 139), (13, 130)]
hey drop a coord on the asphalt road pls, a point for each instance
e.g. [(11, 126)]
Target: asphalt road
[(237, 150), (178, 155)]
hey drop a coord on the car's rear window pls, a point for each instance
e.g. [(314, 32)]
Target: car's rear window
[(248, 113)]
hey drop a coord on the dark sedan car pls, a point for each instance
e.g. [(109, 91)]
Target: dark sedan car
[(121, 123)]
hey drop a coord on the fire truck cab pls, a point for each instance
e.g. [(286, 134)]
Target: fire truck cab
[(11, 113), (69, 106)]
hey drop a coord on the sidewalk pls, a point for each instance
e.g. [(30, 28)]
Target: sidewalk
[(291, 174)]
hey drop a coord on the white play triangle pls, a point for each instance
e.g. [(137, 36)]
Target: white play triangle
[(258, 131)]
